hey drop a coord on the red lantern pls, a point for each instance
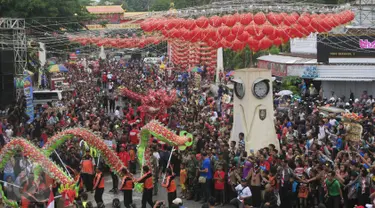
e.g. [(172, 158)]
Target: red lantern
[(259, 36), (290, 20), (160, 24), (275, 18), (260, 18), (231, 37), (237, 17), (243, 37), (229, 20), (246, 18), (304, 21), (315, 23), (253, 29), (265, 43), (237, 29), (268, 29), (145, 26), (252, 43), (215, 21), (277, 41), (238, 45), (202, 22), (170, 24), (190, 24), (224, 31), (226, 44)]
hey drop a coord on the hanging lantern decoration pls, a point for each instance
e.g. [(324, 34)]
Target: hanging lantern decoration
[(216, 21), (229, 20), (260, 18), (202, 22), (246, 18), (237, 29)]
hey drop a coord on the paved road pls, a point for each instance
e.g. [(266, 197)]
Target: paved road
[(162, 195)]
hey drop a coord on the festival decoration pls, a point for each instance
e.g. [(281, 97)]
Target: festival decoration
[(133, 42), (92, 140), (353, 127), (37, 156), (258, 30), (154, 103), (160, 132)]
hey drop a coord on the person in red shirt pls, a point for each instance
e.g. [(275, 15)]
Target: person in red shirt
[(124, 155), (44, 136), (264, 164), (219, 178), (133, 135), (104, 80)]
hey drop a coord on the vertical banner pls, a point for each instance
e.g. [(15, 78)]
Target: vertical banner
[(28, 92)]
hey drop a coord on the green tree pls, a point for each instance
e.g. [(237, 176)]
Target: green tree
[(160, 5)]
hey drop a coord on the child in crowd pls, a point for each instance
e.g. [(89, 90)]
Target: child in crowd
[(183, 176)]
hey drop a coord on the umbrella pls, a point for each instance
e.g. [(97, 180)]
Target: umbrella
[(195, 69), (50, 62), (57, 68), (28, 72), (229, 74), (284, 92)]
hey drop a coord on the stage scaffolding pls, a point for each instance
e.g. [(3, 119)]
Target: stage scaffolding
[(13, 37)]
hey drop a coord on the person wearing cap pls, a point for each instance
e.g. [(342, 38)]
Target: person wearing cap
[(99, 186), (243, 195), (177, 202), (87, 170)]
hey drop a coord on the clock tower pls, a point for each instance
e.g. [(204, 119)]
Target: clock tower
[(253, 108)]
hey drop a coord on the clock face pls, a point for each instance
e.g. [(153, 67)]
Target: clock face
[(239, 89), (261, 89)]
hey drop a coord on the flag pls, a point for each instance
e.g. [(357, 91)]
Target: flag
[(51, 200)]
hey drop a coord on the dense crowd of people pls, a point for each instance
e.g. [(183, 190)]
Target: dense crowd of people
[(313, 164)]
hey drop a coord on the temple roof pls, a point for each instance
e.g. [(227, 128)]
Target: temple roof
[(115, 9)]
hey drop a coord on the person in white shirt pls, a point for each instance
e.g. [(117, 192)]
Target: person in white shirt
[(243, 195), (9, 132), (117, 112)]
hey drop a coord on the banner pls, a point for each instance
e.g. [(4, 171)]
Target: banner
[(28, 92), (344, 46)]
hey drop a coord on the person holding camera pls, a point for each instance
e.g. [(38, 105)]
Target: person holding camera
[(170, 185), (244, 195)]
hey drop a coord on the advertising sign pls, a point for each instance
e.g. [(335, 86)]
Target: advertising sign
[(28, 92), (344, 46)]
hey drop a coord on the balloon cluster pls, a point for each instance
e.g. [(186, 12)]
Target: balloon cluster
[(259, 30), (134, 42), (185, 53), (154, 103)]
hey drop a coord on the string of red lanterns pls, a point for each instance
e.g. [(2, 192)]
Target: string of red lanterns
[(259, 31), (187, 54), (133, 42)]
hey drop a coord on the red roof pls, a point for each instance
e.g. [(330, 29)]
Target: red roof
[(117, 9)]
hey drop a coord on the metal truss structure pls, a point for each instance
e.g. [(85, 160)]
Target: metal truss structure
[(365, 12), (13, 37)]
